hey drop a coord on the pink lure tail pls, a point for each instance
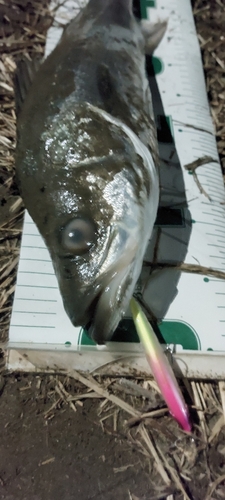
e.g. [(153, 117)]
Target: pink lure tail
[(160, 367)]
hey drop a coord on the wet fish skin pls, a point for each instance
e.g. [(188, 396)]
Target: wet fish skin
[(87, 159)]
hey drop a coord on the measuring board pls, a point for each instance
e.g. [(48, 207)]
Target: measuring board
[(190, 228)]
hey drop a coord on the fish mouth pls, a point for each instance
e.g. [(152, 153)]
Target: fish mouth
[(106, 300), (110, 305), (99, 306)]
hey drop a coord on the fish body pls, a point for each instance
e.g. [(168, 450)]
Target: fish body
[(87, 159)]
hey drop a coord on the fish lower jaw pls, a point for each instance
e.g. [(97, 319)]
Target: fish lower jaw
[(112, 305)]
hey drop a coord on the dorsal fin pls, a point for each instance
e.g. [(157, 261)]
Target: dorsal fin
[(23, 79), (153, 34)]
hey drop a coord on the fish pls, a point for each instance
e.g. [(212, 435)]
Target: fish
[(87, 159)]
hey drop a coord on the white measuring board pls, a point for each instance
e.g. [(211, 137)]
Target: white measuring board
[(192, 306)]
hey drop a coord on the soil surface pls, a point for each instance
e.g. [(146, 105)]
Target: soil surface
[(63, 454), (58, 444)]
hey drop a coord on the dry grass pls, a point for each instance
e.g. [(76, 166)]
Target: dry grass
[(209, 18)]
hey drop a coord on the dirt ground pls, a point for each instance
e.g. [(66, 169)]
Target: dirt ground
[(59, 440), (54, 447), (64, 455)]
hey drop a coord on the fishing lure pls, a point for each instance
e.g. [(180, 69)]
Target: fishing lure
[(160, 367)]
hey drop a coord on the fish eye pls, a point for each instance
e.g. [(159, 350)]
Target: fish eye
[(78, 235)]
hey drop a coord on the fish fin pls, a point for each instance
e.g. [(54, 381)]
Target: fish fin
[(23, 79), (153, 34)]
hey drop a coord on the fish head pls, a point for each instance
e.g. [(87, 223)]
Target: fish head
[(94, 200)]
